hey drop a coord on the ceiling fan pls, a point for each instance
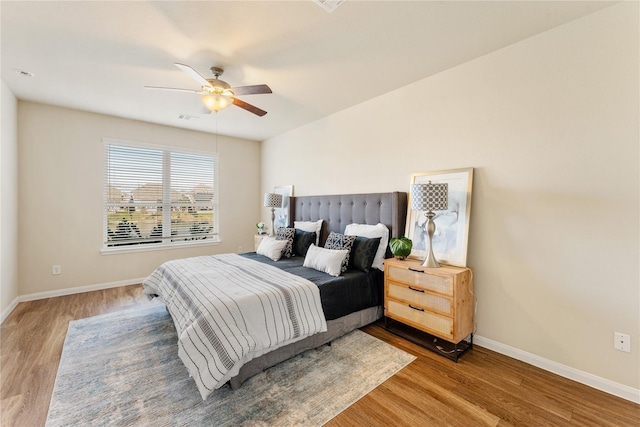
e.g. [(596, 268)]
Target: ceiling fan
[(217, 94)]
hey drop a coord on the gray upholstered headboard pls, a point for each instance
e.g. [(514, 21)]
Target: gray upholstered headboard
[(339, 210)]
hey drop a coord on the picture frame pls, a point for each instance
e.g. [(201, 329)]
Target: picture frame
[(451, 237), (282, 213)]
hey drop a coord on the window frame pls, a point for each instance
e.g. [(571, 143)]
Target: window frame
[(166, 204)]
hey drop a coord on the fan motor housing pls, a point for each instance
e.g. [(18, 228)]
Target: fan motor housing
[(219, 83)]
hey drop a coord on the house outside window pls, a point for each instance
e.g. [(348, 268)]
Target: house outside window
[(158, 197)]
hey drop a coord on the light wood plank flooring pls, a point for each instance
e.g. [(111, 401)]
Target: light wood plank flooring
[(483, 389)]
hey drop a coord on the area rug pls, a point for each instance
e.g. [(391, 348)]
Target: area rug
[(122, 369)]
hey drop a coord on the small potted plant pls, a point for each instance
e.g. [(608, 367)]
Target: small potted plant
[(400, 247), (260, 227)]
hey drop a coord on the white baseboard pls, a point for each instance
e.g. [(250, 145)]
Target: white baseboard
[(7, 311), (67, 291), (611, 387)]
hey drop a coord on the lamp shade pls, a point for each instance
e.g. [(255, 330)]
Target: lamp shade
[(216, 102), (429, 197), (272, 200)]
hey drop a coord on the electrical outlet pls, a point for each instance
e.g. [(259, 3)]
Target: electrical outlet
[(56, 269), (239, 249), (622, 342)]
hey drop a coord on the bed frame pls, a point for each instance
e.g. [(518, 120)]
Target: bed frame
[(337, 211)]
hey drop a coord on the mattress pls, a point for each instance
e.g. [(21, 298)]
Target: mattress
[(352, 291)]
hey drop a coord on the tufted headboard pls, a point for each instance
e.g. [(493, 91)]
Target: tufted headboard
[(340, 210)]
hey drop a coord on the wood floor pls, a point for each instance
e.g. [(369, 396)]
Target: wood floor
[(483, 389)]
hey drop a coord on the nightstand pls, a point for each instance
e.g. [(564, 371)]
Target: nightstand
[(433, 307), (257, 238)]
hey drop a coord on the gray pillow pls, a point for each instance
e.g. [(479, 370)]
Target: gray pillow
[(301, 242), (363, 253)]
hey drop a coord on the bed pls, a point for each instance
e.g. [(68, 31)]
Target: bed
[(343, 310)]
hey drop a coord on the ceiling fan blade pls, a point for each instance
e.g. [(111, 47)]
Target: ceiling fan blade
[(193, 74), (175, 89), (251, 108), (251, 90)]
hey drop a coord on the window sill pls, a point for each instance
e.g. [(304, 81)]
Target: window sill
[(149, 248)]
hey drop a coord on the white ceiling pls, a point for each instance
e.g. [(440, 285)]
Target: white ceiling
[(99, 55)]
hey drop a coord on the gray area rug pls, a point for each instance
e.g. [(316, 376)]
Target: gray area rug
[(123, 369)]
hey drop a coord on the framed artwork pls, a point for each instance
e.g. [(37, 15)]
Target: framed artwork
[(452, 226), (282, 213)]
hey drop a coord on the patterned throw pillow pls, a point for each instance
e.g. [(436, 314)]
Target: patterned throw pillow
[(363, 252), (286, 234), (302, 241), (340, 241)]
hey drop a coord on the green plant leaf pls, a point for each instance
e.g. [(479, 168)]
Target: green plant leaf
[(400, 246)]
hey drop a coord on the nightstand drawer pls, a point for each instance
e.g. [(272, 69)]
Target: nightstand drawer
[(414, 295), (420, 318), (427, 281)]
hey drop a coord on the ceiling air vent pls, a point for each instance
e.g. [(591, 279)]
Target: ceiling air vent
[(23, 73), (329, 5), (186, 117)]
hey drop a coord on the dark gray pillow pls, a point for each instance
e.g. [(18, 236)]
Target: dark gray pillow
[(286, 234), (363, 252), (340, 241), (301, 242)]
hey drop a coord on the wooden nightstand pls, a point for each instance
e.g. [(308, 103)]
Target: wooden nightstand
[(437, 303), (257, 238)]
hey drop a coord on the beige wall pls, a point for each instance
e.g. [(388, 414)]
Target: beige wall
[(61, 187), (551, 127), (8, 198)]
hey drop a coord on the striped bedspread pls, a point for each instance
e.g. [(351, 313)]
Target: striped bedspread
[(228, 310)]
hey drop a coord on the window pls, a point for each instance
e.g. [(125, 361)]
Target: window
[(158, 196)]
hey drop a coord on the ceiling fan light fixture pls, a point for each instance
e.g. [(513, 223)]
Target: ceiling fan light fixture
[(216, 95), (216, 102)]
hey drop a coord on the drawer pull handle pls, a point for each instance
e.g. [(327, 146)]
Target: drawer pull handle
[(417, 271), (416, 308), (417, 290)]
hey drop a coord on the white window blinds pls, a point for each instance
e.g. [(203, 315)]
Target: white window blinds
[(158, 195)]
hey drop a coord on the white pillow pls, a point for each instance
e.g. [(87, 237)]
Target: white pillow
[(378, 230), (310, 226), (326, 260), (272, 248)]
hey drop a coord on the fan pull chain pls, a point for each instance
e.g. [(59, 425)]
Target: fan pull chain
[(216, 113)]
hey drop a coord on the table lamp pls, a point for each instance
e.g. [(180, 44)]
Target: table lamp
[(428, 198), (273, 201)]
